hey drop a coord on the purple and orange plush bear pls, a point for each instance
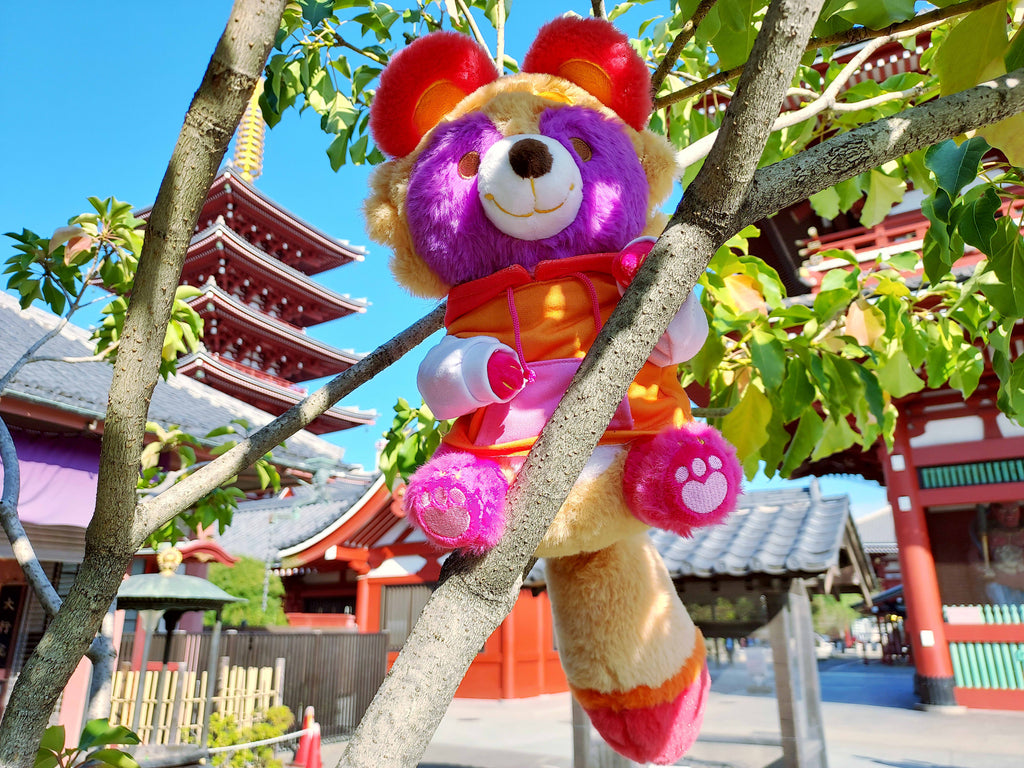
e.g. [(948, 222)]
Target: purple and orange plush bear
[(529, 201)]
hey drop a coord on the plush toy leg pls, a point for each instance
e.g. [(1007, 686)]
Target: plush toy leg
[(682, 478), (633, 657), (458, 501)]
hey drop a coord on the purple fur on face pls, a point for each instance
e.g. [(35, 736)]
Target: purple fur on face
[(457, 241)]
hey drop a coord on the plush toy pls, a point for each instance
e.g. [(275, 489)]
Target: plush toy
[(525, 199)]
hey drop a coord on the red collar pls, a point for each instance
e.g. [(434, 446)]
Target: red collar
[(466, 297)]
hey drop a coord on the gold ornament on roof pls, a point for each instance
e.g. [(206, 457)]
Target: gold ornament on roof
[(168, 559), (249, 139)]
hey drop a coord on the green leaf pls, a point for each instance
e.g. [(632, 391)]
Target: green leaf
[(976, 222), (797, 392), (826, 203), (53, 738), (955, 166), (884, 191), (100, 732), (45, 759), (807, 435), (898, 378), (876, 14), (746, 425), (337, 150), (315, 11), (1011, 391), (836, 437), (973, 50), (114, 757), (769, 357)]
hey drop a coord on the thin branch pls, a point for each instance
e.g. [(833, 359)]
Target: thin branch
[(854, 35), (827, 100), (101, 357), (499, 48), (472, 26), (20, 544), (685, 35), (339, 40), (154, 512)]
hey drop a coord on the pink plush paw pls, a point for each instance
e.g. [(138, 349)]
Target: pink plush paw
[(458, 501), (505, 375), (682, 478)]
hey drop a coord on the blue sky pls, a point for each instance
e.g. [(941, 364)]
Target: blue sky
[(96, 93)]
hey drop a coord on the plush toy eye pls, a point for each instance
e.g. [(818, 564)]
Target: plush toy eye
[(469, 165), (582, 149)]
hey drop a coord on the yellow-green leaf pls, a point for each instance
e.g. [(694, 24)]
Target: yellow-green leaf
[(746, 425), (883, 192), (973, 50)]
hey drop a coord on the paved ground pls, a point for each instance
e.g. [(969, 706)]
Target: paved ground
[(870, 722)]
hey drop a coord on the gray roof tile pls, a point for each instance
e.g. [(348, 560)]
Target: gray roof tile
[(771, 532), (82, 387), (261, 529)]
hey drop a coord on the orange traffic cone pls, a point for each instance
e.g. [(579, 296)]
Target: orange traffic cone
[(313, 756), (302, 752)]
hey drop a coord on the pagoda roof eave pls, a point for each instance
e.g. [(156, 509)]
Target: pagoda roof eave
[(302, 282), (285, 396), (341, 248), (278, 330)]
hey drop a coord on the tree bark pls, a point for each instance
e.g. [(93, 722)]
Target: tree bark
[(478, 595), (230, 78)]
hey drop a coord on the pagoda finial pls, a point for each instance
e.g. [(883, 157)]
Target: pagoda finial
[(248, 158)]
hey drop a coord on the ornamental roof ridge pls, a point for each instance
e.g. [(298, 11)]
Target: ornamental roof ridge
[(204, 358), (283, 329), (337, 245), (274, 264)]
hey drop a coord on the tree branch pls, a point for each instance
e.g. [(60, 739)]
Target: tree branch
[(453, 626), (230, 78), (23, 551), (850, 36), (472, 26), (684, 36), (597, 6), (155, 512), (868, 146)]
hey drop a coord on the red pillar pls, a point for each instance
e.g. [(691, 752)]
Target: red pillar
[(933, 681), (363, 605)]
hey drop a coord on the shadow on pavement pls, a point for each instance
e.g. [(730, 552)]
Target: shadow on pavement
[(906, 763)]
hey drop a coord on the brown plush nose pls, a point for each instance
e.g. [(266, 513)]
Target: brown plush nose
[(530, 159)]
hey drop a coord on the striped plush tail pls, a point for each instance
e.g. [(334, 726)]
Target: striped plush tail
[(634, 659)]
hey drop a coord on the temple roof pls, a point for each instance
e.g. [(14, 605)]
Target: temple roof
[(285, 291), (784, 532), (266, 391), (73, 394), (281, 348), (281, 233), (270, 529)]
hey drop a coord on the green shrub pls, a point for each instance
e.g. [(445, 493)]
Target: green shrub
[(225, 731)]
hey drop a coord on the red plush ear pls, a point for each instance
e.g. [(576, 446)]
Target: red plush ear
[(421, 84), (597, 57)]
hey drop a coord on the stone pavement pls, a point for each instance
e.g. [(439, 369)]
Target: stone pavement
[(870, 722)]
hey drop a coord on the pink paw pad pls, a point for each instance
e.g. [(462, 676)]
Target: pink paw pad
[(458, 501), (682, 478)]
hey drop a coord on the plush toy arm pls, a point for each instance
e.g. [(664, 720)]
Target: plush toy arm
[(460, 375), (689, 328)]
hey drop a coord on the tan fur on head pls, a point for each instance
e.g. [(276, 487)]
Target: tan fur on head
[(514, 104)]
